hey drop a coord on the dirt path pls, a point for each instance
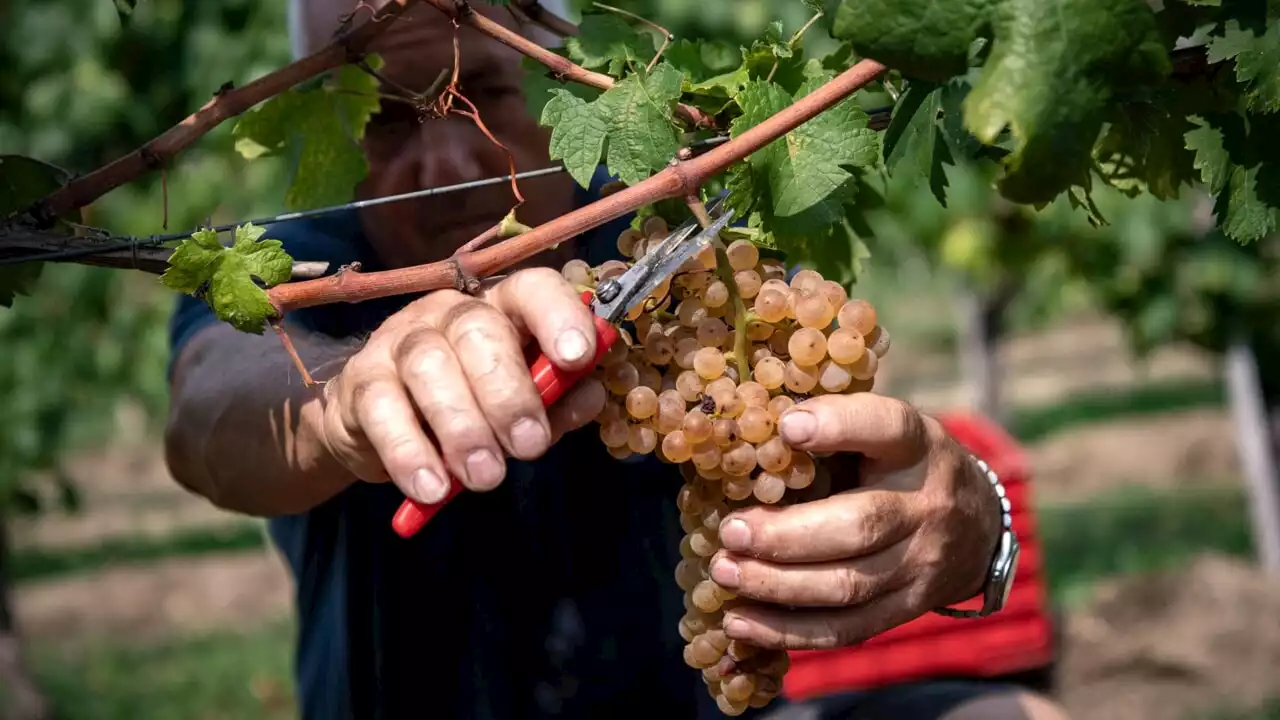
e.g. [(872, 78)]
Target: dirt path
[(141, 603), (1166, 452)]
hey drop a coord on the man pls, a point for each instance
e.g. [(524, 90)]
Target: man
[(548, 591)]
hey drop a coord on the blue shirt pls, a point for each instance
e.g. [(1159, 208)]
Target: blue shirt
[(552, 596)]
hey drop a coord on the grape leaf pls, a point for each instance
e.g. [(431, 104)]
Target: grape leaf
[(913, 143), (701, 60), (771, 58), (23, 181), (228, 278), (642, 137), (578, 134), (1232, 170), (606, 40), (805, 170), (538, 83), (1144, 149), (1257, 61), (322, 128), (1055, 72)]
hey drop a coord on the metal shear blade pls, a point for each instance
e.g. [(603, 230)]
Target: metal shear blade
[(659, 264)]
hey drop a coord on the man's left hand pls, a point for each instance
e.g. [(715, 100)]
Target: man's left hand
[(918, 532)]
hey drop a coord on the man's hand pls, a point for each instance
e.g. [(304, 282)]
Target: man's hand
[(443, 386), (917, 534)]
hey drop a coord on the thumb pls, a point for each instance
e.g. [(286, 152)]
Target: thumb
[(882, 428)]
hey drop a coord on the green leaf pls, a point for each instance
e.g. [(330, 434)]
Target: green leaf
[(1055, 72), (806, 170), (703, 59), (770, 57), (1211, 157), (578, 134), (23, 181), (642, 135), (913, 143), (1257, 59), (228, 278), (1144, 149), (321, 128), (1231, 169), (606, 40)]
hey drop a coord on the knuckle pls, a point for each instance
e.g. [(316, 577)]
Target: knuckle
[(903, 420), (470, 315), (365, 392), (461, 429), (402, 450), (422, 350), (851, 586)]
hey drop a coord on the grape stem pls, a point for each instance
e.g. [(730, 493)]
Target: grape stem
[(225, 104), (680, 179), (724, 270)]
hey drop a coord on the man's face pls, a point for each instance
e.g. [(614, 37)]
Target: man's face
[(405, 154)]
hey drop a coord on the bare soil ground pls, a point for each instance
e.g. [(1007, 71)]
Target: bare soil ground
[(157, 600), (1168, 452), (1171, 644)]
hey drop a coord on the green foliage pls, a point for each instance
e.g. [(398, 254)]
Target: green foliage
[(1162, 268), (804, 171), (85, 339), (230, 279), (79, 89), (630, 123), (1236, 165), (607, 42), (321, 126), (914, 144), (1051, 72), (1257, 59)]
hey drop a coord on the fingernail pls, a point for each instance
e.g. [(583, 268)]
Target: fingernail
[(735, 534), (735, 627), (483, 469), (428, 486), (798, 426), (571, 345), (725, 573), (528, 438)]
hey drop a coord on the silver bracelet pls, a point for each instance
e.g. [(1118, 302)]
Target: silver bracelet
[(998, 573)]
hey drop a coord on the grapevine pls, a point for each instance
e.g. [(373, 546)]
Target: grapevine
[(707, 366)]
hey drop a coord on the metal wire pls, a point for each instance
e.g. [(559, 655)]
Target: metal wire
[(133, 243)]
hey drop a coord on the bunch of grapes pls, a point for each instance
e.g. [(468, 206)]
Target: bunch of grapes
[(685, 387)]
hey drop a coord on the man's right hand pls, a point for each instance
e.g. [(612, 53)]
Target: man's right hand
[(443, 387)]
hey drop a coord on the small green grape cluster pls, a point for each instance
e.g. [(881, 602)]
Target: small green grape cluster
[(676, 390)]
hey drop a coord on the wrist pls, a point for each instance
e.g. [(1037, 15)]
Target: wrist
[(1000, 549)]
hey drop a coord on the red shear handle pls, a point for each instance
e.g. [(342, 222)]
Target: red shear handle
[(552, 383)]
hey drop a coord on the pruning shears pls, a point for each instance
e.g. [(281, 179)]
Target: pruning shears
[(610, 302)]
